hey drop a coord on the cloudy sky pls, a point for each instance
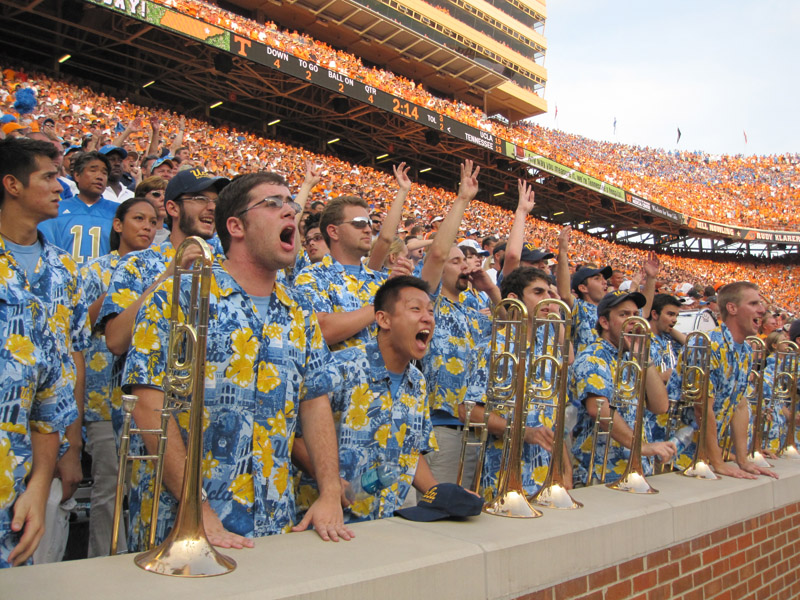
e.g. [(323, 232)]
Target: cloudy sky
[(714, 68)]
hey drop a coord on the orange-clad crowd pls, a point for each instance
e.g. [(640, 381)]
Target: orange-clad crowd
[(749, 191), (78, 111)]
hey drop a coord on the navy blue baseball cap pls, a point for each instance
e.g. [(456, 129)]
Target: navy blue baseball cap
[(584, 273), (531, 254), (192, 181), (611, 299), (443, 501)]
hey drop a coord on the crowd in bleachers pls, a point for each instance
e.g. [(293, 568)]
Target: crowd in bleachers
[(227, 151), (750, 191), (317, 408)]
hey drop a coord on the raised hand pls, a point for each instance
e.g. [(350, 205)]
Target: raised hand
[(526, 197), (401, 174), (469, 180), (651, 265)]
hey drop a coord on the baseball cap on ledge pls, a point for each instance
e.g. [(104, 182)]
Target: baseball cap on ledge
[(443, 501), (192, 181)]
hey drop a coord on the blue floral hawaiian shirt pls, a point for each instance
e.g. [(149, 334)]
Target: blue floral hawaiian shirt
[(331, 288), (56, 281), (474, 299), (32, 398), (772, 410), (455, 366), (584, 318), (373, 426), (99, 401), (259, 369), (729, 367), (593, 374)]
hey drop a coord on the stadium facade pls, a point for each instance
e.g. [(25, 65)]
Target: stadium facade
[(487, 53)]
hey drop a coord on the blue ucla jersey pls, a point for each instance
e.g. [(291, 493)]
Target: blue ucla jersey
[(80, 229)]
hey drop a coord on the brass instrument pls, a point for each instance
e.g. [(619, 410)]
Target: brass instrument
[(757, 368), (186, 551), (547, 387), (784, 391), (506, 393), (696, 359), (630, 380)]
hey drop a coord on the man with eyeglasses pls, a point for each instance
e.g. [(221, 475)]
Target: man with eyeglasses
[(190, 201), (267, 368), (313, 242), (340, 287)]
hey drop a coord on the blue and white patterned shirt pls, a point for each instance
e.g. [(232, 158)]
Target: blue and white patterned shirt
[(332, 288), (374, 426), (33, 397), (729, 366), (259, 369)]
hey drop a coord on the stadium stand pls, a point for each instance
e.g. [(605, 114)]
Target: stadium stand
[(78, 111), (748, 191)]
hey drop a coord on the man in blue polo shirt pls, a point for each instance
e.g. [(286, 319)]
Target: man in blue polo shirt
[(83, 224)]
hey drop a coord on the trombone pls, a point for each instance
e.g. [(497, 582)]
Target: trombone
[(547, 387), (630, 390), (784, 390), (696, 358), (506, 394), (757, 369), (186, 551)]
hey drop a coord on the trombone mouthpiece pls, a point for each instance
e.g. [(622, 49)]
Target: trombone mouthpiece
[(129, 402)]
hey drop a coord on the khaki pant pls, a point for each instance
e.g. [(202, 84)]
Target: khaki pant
[(444, 462)]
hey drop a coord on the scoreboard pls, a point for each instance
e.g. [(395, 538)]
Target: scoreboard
[(336, 82)]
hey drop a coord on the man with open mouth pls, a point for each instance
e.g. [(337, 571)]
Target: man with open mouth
[(741, 308)]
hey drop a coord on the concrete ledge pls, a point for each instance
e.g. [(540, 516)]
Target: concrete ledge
[(484, 557)]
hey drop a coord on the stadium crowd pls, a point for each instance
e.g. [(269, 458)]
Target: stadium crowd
[(336, 381), (748, 191), (79, 112)]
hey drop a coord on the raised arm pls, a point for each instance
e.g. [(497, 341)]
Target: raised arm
[(562, 269), (516, 237), (155, 125), (650, 267), (178, 138), (392, 221), (134, 127), (439, 250)]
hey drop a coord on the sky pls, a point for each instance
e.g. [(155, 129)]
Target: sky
[(713, 68)]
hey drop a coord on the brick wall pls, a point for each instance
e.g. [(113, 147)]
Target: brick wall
[(754, 559)]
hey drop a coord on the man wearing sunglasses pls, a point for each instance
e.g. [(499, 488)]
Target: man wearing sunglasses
[(341, 287)]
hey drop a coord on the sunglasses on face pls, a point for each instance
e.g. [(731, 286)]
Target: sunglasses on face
[(157, 194), (273, 202), (359, 222)]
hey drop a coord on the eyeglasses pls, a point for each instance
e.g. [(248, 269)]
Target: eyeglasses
[(359, 223), (201, 200), (273, 202), (316, 239)]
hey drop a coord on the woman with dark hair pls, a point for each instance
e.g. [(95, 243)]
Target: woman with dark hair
[(133, 229)]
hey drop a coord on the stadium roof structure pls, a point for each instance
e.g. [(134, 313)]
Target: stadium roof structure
[(426, 45), (272, 93)]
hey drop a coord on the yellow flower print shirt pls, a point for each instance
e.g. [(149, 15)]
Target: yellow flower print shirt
[(374, 426), (332, 287), (33, 397), (259, 370)]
